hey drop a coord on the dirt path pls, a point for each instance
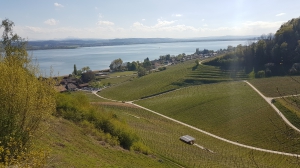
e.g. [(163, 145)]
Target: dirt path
[(210, 134), (269, 100)]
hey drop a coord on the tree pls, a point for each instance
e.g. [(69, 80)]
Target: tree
[(26, 98), (75, 70), (88, 76), (116, 64), (85, 69), (141, 71)]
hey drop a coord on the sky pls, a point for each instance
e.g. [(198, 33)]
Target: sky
[(108, 19)]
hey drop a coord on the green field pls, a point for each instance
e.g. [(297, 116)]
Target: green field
[(125, 73), (91, 96), (150, 84), (117, 80), (162, 136), (286, 85), (176, 76), (231, 110)]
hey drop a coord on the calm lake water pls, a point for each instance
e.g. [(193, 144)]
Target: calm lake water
[(97, 58)]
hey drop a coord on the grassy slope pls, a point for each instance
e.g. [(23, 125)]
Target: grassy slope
[(174, 77), (162, 136), (149, 84), (70, 147), (91, 96), (286, 85), (231, 110), (117, 80)]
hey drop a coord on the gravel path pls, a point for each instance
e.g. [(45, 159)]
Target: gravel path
[(269, 100)]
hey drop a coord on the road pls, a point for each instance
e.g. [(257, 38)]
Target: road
[(218, 137), (269, 100)]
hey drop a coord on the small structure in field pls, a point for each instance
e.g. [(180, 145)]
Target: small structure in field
[(188, 139)]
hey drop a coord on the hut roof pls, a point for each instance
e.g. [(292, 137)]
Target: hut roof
[(187, 138)]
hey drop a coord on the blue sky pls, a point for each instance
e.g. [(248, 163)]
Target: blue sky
[(41, 19)]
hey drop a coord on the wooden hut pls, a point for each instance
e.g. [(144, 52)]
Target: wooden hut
[(188, 139)]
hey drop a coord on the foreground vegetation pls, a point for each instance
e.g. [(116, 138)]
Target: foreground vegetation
[(231, 110), (70, 145)]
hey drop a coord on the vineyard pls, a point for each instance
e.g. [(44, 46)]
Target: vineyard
[(231, 110), (150, 84), (205, 74), (162, 136), (288, 85), (176, 76)]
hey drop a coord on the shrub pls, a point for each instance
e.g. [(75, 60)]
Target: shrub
[(26, 98), (260, 74)]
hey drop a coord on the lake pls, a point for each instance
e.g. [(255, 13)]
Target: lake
[(97, 58)]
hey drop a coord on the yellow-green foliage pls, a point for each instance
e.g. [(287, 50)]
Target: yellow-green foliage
[(25, 98), (100, 123)]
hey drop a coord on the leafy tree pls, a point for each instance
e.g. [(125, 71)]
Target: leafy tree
[(141, 71), (116, 64), (134, 66), (88, 76), (26, 98), (147, 64), (85, 69)]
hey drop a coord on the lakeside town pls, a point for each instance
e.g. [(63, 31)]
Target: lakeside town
[(89, 80)]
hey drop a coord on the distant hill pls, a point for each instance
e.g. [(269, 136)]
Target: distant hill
[(74, 43), (272, 54)]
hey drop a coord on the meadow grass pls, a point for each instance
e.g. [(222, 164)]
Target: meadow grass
[(287, 85), (69, 146), (124, 73), (162, 136), (92, 97), (117, 80), (232, 110)]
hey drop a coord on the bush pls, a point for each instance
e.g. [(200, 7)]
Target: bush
[(103, 125), (260, 74), (26, 98), (140, 147)]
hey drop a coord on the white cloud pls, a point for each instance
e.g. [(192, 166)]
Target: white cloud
[(162, 23), (51, 22), (162, 28), (177, 15), (280, 14), (106, 23), (58, 5), (262, 25), (143, 19)]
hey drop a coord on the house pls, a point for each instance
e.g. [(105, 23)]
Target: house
[(188, 139), (71, 87), (83, 85)]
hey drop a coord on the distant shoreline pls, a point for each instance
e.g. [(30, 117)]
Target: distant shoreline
[(62, 45)]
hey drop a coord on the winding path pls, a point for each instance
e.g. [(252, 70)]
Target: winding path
[(269, 100), (218, 137)]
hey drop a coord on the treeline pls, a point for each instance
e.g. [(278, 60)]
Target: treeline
[(272, 54)]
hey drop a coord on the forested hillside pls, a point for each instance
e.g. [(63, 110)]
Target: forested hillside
[(272, 54)]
